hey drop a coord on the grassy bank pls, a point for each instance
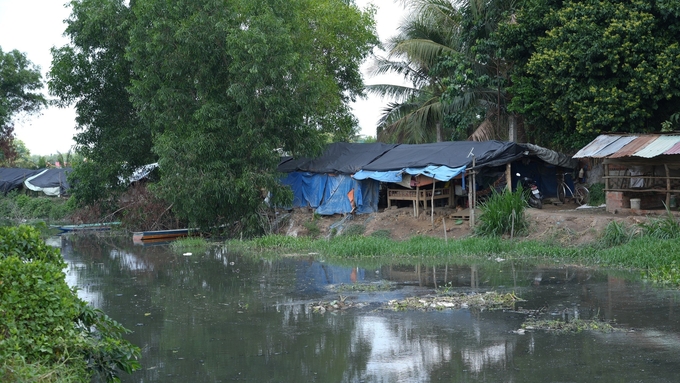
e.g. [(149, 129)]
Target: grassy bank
[(658, 259), (19, 207)]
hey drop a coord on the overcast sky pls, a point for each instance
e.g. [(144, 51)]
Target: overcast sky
[(35, 26)]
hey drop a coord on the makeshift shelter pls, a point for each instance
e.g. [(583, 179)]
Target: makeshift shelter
[(13, 178), (325, 183), (52, 182), (640, 171), (346, 177)]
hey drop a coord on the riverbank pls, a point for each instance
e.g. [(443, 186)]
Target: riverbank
[(566, 224)]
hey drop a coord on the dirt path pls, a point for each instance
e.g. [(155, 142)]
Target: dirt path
[(560, 223)]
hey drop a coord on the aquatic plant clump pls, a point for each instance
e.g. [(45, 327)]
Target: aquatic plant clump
[(572, 326), (489, 301)]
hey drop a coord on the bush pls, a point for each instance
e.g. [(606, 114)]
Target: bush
[(503, 213), (617, 233), (17, 206), (597, 196), (42, 320)]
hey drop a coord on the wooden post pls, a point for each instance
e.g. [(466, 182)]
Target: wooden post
[(434, 182), (606, 177), (668, 187), (469, 186), (508, 177), (417, 199), (474, 194)]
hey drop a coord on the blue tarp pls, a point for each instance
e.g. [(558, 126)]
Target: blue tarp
[(329, 194)]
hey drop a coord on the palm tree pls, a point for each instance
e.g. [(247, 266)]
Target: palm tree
[(429, 33), (434, 53)]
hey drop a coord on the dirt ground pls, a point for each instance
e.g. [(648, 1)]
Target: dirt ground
[(555, 222)]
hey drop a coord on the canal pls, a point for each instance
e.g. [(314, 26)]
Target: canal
[(220, 316)]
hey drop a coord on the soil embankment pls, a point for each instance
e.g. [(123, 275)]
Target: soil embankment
[(558, 223)]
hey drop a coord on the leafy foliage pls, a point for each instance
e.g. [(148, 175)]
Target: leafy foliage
[(224, 86), (587, 67), (20, 84), (43, 320), (503, 213), (92, 73), (17, 206)]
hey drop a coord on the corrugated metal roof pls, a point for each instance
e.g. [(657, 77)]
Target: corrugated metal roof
[(634, 146), (614, 146), (599, 143), (673, 150), (658, 146)]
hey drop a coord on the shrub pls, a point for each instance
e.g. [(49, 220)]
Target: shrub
[(43, 322), (354, 230), (503, 213), (661, 228), (21, 206), (597, 195), (617, 233)]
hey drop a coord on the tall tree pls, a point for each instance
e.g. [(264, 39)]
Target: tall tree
[(444, 50), (587, 67), (225, 84), (93, 73), (430, 32), (20, 84)]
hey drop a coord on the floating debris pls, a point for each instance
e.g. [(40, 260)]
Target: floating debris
[(336, 305), (572, 326), (364, 287), (489, 300)]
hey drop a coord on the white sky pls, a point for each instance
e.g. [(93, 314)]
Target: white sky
[(35, 26)]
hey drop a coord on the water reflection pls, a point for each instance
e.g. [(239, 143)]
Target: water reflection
[(219, 316)]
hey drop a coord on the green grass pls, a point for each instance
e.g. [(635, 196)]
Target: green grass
[(14, 369), (191, 244), (503, 214), (644, 253)]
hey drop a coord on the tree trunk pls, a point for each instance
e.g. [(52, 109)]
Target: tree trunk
[(439, 132), (512, 127)]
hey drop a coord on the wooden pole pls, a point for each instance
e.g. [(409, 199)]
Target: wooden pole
[(446, 239), (508, 177), (434, 182), (668, 187), (474, 194), (469, 185), (417, 199)]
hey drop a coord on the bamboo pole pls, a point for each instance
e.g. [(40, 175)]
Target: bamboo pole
[(434, 182)]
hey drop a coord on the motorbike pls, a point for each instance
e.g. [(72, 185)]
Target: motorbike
[(535, 196)]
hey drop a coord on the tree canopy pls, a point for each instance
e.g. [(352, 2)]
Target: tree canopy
[(588, 67), (215, 90), (93, 74), (20, 93)]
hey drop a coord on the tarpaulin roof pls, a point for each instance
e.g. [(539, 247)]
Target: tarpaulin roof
[(12, 178), (617, 146), (50, 181), (339, 157), (551, 157), (453, 154)]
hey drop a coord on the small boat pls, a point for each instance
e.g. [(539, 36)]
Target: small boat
[(86, 227), (160, 235)]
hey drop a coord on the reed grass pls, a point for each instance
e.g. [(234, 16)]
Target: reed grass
[(194, 244), (503, 214)]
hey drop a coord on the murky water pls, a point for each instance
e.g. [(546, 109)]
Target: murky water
[(220, 317)]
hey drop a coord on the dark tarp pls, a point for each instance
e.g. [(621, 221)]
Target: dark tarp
[(12, 178), (50, 181), (453, 154), (551, 157), (338, 158)]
